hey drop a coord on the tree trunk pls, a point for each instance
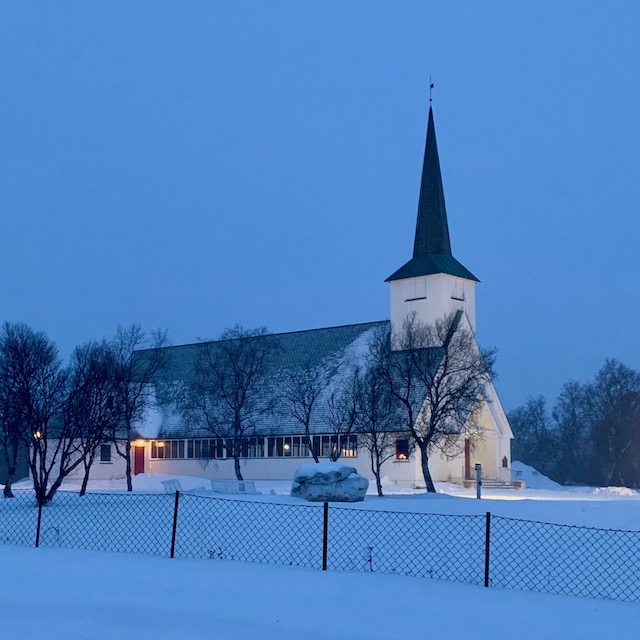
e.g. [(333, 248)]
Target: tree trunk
[(424, 463), (375, 469), (12, 464), (310, 445), (41, 494), (236, 465), (85, 480), (378, 484), (54, 488), (127, 457), (7, 487)]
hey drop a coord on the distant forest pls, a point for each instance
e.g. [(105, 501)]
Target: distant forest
[(591, 433)]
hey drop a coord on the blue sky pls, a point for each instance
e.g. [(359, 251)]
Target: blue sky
[(193, 165)]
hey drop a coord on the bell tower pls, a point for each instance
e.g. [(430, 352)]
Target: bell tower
[(433, 283)]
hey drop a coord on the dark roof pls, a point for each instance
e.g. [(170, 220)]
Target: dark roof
[(335, 349), (432, 246), (296, 349)]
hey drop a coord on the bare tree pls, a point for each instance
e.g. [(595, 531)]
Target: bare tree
[(300, 391), (13, 428), (614, 412), (11, 431), (440, 376), (229, 392), (34, 386), (342, 412), (377, 422), (91, 409), (535, 442), (139, 359), (571, 435)]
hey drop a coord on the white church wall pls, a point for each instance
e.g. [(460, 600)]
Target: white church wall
[(431, 298), (403, 473), (114, 469)]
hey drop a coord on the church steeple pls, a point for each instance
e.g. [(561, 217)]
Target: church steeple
[(432, 230), (432, 246)]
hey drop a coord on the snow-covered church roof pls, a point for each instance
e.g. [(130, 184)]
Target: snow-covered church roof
[(335, 350)]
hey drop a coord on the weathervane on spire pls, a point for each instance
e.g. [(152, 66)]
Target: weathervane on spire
[(431, 86)]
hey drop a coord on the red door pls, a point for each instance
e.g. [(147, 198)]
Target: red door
[(467, 459), (138, 460)]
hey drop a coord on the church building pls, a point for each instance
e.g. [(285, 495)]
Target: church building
[(430, 286)]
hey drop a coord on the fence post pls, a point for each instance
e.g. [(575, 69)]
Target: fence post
[(175, 524), (487, 549), (39, 523), (325, 535)]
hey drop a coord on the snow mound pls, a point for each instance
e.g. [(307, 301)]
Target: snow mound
[(615, 491), (325, 472), (329, 482), (533, 479)]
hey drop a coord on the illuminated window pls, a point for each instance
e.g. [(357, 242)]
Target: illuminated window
[(402, 449)]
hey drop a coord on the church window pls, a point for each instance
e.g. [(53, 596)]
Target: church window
[(105, 453), (458, 291), (171, 449), (349, 446), (402, 449), (416, 289)]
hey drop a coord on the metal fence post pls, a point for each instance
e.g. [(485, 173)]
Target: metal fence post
[(175, 524), (325, 535), (39, 523), (487, 549)]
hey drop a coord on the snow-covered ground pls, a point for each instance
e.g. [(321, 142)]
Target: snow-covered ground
[(543, 500), (200, 593), (84, 595)]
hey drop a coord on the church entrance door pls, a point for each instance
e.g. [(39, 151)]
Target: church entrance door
[(467, 459)]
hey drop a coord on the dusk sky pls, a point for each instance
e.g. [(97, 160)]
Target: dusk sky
[(190, 166)]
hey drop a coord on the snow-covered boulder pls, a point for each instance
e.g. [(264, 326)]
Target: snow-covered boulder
[(329, 482)]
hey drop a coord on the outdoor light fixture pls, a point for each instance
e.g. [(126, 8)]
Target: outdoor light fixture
[(37, 435), (287, 447)]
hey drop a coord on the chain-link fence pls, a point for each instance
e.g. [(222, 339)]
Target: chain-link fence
[(553, 558), (482, 550)]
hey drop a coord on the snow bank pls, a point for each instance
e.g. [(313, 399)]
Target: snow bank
[(111, 595), (615, 491), (533, 478)]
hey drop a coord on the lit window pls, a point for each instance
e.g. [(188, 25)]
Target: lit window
[(402, 449), (349, 446)]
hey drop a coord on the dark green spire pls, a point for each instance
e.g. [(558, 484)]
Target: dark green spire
[(432, 246)]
